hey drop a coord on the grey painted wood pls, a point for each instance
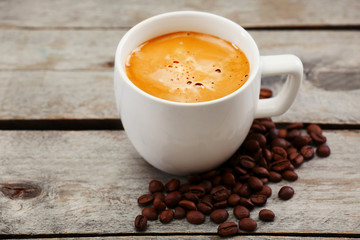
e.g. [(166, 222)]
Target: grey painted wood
[(68, 74), (334, 52), (90, 181), (118, 14)]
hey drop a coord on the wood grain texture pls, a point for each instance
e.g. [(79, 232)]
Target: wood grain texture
[(61, 50), (118, 14), (90, 182), (68, 74)]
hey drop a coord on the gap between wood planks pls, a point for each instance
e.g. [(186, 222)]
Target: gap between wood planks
[(111, 124), (143, 234), (321, 27)]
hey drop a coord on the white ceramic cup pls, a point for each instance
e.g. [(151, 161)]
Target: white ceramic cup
[(185, 138)]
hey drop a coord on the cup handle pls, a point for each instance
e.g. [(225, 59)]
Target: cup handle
[(275, 65)]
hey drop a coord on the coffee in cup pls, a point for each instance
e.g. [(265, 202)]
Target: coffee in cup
[(188, 67)]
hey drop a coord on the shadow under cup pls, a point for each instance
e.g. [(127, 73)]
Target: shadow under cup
[(183, 138)]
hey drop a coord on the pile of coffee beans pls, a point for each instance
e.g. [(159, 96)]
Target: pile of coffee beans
[(268, 154)]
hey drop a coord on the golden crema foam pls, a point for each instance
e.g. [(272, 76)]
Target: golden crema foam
[(187, 67)]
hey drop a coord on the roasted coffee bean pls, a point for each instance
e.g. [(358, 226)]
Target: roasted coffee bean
[(198, 190), (219, 193), (266, 190), (236, 187), (219, 215), (246, 203), (241, 212), (266, 215), (207, 185), (194, 179), (172, 185), (258, 128), (314, 128), (301, 141), (189, 205), (258, 199), (268, 124), (233, 199), (145, 199), (280, 142), (159, 195), (323, 151), (247, 224), (273, 133), (296, 159), (205, 207), (265, 93), (260, 172), (159, 205), (140, 222), (150, 213), (179, 213), (221, 204), (255, 183), (260, 138), (307, 151), (275, 177), (156, 186), (209, 175), (166, 216), (228, 179), (263, 163), (247, 162), (252, 145), (184, 187), (245, 191), (257, 155), (289, 175), (283, 133), (227, 229), (294, 126), (292, 134), (318, 138), (280, 165), (172, 199), (207, 198), (290, 167), (291, 150), (192, 197), (286, 193), (244, 178), (264, 180), (239, 171), (195, 217), (278, 153), (216, 181), (267, 154)]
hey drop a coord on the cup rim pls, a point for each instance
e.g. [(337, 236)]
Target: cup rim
[(126, 79)]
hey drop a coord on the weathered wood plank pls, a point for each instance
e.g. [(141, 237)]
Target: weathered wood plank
[(90, 181), (68, 74), (334, 52), (115, 14), (89, 95)]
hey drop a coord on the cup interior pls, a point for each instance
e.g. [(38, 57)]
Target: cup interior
[(188, 21)]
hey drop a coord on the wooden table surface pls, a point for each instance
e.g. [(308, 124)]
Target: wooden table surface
[(60, 132)]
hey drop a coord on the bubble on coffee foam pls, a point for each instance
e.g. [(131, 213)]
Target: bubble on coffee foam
[(198, 84)]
